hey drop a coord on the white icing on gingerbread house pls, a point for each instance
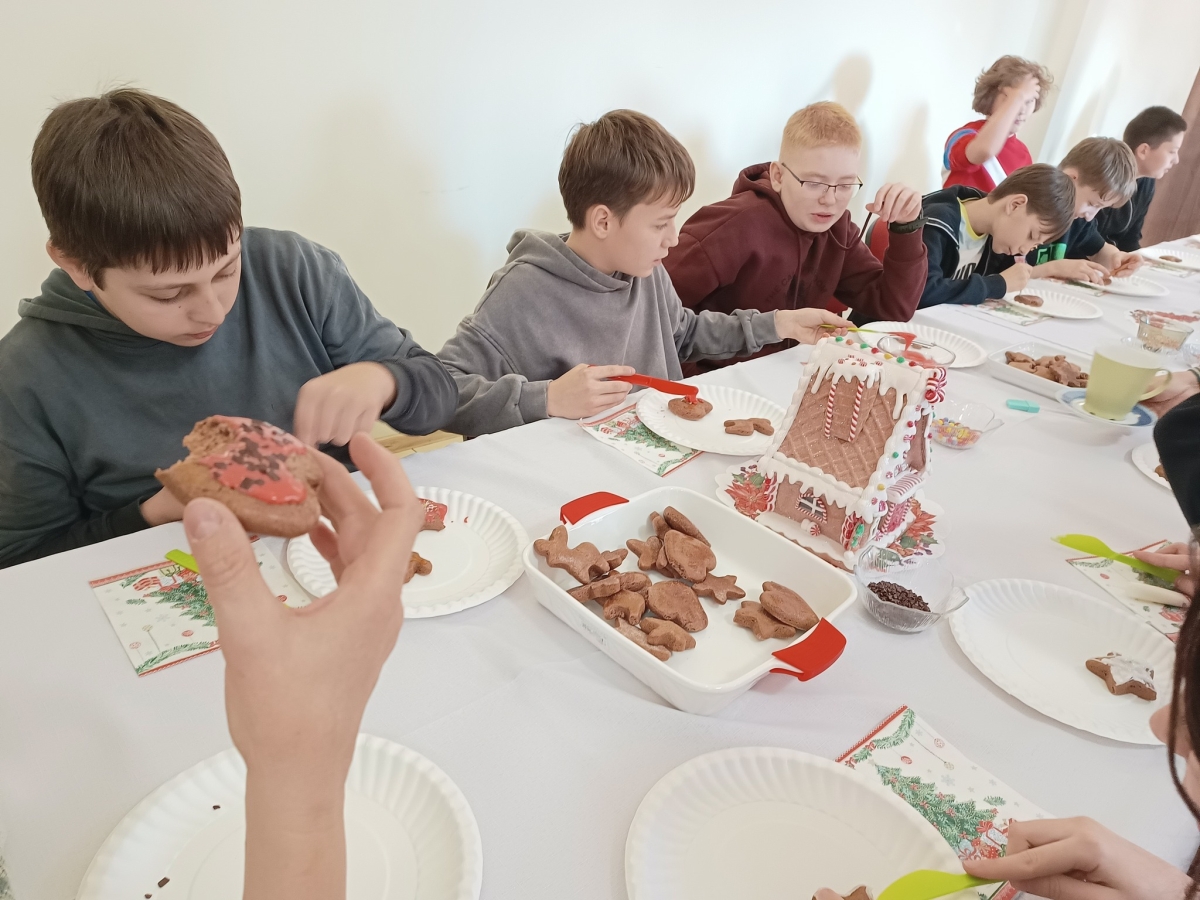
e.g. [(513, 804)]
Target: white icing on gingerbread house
[(853, 450)]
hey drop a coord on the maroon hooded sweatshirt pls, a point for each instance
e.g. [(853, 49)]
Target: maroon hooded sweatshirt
[(745, 253)]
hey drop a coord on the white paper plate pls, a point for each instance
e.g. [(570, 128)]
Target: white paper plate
[(1146, 459), (410, 834), (1188, 257), (765, 823), (966, 352), (1136, 286), (1058, 304), (1032, 639), (709, 433), (476, 557)]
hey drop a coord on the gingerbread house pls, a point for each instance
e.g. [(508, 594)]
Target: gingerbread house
[(853, 450)]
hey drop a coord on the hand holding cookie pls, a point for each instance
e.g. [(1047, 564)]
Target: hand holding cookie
[(585, 390), (332, 407)]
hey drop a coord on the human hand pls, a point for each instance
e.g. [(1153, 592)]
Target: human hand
[(804, 325), (297, 681), (1079, 859), (1177, 556), (585, 390), (1127, 264), (896, 203), (161, 508), (1072, 270), (332, 407), (1017, 275), (1180, 386)]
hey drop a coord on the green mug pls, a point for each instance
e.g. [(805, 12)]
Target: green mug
[(1121, 375)]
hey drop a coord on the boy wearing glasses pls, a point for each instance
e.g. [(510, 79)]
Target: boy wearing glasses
[(784, 239), (568, 312)]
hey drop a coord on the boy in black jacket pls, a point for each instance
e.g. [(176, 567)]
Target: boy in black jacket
[(1155, 135), (975, 241)]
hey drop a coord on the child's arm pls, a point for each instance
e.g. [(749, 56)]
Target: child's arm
[(491, 395), (990, 138), (967, 291), (891, 290)]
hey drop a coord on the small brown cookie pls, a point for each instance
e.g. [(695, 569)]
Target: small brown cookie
[(639, 637), (1028, 300), (662, 633), (635, 581), (752, 615), (676, 601), (614, 558), (859, 893), (1174, 259), (647, 551), (604, 586), (660, 525), (435, 515), (626, 605), (692, 410), (787, 606), (744, 427), (691, 558), (720, 587), (417, 565), (1160, 472), (1013, 357), (663, 565), (583, 562), (1123, 675), (677, 520)]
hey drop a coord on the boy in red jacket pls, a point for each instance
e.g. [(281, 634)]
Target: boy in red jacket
[(784, 239)]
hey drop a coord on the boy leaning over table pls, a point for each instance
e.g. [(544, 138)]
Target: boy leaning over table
[(163, 310), (976, 241), (1155, 135), (568, 312), (784, 239)]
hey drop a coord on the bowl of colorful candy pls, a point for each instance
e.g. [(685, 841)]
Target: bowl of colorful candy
[(961, 425)]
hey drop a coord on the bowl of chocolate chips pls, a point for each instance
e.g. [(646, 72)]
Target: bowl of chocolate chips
[(907, 600)]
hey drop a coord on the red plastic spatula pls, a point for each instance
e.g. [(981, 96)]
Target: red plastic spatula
[(691, 392)]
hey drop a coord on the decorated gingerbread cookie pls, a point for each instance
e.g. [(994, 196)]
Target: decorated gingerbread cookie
[(1123, 675), (583, 562), (691, 410), (435, 515)]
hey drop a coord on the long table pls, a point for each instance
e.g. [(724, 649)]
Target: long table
[(552, 743)]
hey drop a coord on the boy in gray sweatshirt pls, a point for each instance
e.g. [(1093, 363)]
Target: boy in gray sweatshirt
[(163, 310), (568, 312)]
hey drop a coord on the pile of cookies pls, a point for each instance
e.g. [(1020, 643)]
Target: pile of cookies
[(1052, 368), (661, 616)]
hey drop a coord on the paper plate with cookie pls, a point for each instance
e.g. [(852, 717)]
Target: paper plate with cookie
[(695, 600), (719, 420), (1178, 257), (468, 552), (1046, 301), (1082, 660)]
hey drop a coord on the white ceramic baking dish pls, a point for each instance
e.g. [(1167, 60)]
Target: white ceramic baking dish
[(727, 659), (1044, 386)]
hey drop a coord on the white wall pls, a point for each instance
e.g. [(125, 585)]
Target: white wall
[(414, 137)]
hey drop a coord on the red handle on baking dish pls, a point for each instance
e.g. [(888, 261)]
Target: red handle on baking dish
[(813, 655), (582, 507), (660, 384)]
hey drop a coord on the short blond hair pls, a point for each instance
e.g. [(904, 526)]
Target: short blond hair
[(1106, 164), (1009, 71), (824, 124)]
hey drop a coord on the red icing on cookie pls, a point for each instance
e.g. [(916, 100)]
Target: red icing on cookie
[(435, 515), (255, 463)]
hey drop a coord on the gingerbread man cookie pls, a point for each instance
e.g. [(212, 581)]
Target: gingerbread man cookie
[(720, 587), (639, 637), (691, 410), (752, 615), (584, 562), (677, 602), (417, 565), (677, 520), (745, 427), (787, 606), (627, 605), (662, 633), (1123, 675), (689, 557)]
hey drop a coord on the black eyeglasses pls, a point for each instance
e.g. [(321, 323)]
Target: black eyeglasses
[(818, 189)]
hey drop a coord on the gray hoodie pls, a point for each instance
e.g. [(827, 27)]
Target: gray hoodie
[(89, 408), (547, 311)]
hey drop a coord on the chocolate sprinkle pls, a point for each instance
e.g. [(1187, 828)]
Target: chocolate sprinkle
[(162, 881), (890, 592)]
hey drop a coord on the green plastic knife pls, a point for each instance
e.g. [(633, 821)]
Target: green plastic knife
[(926, 884), (1093, 546), (186, 560)]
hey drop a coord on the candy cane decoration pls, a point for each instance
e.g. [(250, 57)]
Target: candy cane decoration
[(829, 409), (858, 395)]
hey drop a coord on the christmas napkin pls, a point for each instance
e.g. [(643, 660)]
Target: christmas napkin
[(1006, 312), (161, 612), (968, 806), (1127, 585), (624, 431)]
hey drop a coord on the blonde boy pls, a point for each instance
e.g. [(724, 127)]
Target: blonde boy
[(784, 239)]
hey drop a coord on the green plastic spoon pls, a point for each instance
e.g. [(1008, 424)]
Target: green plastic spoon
[(925, 884), (1093, 546)]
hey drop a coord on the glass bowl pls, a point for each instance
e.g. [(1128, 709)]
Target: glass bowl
[(1158, 333), (932, 581), (920, 351), (961, 425)]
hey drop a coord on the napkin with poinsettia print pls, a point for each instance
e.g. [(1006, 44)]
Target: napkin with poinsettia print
[(968, 806), (161, 612), (627, 434)]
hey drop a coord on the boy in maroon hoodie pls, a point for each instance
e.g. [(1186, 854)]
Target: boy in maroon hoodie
[(784, 239)]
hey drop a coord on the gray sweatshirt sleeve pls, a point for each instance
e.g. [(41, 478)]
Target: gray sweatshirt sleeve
[(714, 335), (491, 396)]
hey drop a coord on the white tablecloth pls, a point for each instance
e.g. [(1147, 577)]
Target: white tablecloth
[(553, 744)]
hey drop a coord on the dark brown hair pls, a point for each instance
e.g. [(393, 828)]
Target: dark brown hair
[(128, 179), (1185, 708), (1152, 126), (622, 159), (1106, 164), (1006, 72), (1049, 194)]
